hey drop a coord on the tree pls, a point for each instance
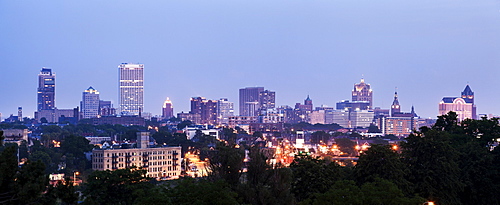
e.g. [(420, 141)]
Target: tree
[(342, 192), (226, 163), (433, 166), (192, 191), (347, 146), (122, 186), (380, 161), (313, 175)]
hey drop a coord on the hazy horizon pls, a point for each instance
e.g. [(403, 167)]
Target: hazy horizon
[(427, 49)]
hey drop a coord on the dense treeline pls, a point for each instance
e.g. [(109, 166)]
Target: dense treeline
[(449, 163)]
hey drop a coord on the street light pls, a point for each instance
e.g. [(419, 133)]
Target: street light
[(428, 203), (74, 177)]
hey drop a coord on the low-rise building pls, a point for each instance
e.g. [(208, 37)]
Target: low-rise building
[(159, 162)]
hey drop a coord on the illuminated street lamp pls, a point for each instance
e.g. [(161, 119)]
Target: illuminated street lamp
[(74, 177), (428, 203)]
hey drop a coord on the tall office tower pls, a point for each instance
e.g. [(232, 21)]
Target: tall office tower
[(249, 94), (464, 105), (308, 104), (395, 108), (362, 92), (20, 113), (90, 103), (46, 89), (196, 104), (131, 88), (206, 109), (267, 100), (224, 110), (168, 109)]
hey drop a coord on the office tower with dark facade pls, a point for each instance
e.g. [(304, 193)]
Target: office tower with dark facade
[(248, 97), (46, 90), (90, 103), (206, 109), (267, 100), (131, 86), (363, 92)]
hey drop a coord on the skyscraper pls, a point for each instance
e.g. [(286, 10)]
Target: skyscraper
[(206, 109), (46, 89), (224, 110), (362, 92), (267, 100), (248, 96), (168, 109), (90, 103), (131, 85)]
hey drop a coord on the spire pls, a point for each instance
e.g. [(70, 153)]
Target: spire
[(308, 99), (395, 108)]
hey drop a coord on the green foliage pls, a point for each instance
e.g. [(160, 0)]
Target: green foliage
[(265, 184), (342, 192), (122, 186), (380, 161), (226, 163), (312, 175), (191, 191), (433, 166)]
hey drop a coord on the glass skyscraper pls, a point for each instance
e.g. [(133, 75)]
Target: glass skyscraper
[(131, 85), (46, 89)]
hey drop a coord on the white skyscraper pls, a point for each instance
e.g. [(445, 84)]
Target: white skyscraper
[(131, 85), (224, 110), (90, 103)]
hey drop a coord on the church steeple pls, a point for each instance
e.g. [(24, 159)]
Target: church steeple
[(395, 108)]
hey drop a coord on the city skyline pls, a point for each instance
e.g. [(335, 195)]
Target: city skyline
[(432, 49)]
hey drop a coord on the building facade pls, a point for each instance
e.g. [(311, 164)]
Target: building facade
[(363, 92), (46, 90), (267, 100), (159, 162), (464, 105), (167, 109), (249, 94), (225, 109), (90, 103), (131, 86)]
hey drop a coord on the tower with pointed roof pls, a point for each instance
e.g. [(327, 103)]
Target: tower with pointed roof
[(90, 103), (168, 109), (463, 106), (363, 92), (395, 107)]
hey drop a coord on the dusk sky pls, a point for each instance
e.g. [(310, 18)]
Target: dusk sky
[(428, 49)]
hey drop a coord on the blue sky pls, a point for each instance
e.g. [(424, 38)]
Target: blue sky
[(428, 49)]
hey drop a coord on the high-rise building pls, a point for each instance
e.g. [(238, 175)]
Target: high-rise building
[(90, 103), (267, 100), (206, 109), (46, 89), (464, 105), (131, 85), (395, 108), (363, 92), (249, 94), (225, 109), (168, 109)]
